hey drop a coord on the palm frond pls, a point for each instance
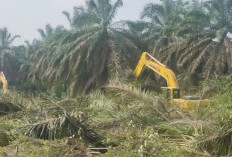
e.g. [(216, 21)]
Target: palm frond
[(41, 32), (67, 15), (217, 145), (127, 95), (66, 126), (114, 9), (197, 62)]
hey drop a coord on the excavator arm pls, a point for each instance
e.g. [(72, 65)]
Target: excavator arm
[(159, 68)]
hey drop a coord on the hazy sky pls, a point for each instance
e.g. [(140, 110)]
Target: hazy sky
[(24, 17)]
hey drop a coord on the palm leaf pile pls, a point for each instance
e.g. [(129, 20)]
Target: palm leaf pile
[(140, 105), (8, 106), (217, 145), (67, 126), (125, 115), (4, 139)]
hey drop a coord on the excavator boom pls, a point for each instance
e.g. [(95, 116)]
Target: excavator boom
[(153, 64)]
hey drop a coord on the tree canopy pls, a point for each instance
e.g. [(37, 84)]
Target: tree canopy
[(191, 37)]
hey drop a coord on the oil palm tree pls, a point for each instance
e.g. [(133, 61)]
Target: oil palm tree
[(25, 61), (82, 18), (8, 61), (162, 22), (194, 25), (196, 20), (204, 47), (50, 33), (47, 32), (94, 51), (209, 52), (163, 19), (41, 52)]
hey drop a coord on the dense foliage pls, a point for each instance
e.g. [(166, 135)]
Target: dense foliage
[(90, 53), (191, 37)]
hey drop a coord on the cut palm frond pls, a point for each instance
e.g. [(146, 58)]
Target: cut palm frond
[(217, 145), (66, 126), (133, 100)]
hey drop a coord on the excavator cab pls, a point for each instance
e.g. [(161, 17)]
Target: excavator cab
[(176, 93), (172, 93)]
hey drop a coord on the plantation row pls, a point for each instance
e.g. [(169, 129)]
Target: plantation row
[(191, 37)]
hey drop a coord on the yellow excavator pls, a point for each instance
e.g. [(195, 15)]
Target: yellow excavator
[(4, 82), (175, 95)]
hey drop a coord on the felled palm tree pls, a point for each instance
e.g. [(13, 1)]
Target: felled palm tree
[(8, 61), (93, 52)]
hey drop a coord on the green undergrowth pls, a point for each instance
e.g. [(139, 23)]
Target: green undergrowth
[(129, 120)]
